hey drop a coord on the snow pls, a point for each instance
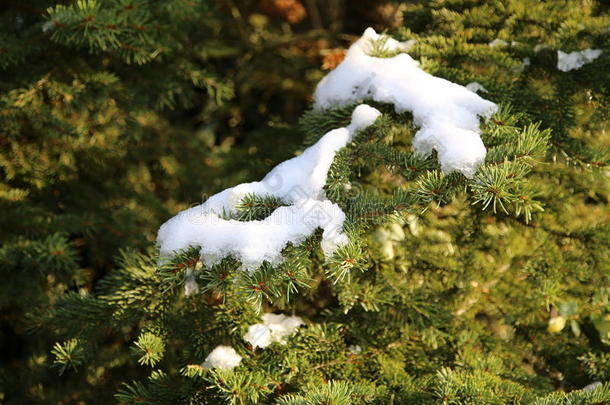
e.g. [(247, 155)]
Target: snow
[(362, 117), (190, 283), (298, 182), (275, 328), (223, 358), (258, 335), (448, 118), (355, 349), (446, 113), (592, 387), (498, 42), (281, 325), (475, 87), (577, 59)]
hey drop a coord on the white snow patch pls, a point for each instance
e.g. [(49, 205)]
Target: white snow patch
[(475, 87), (355, 349), (298, 181), (592, 387), (258, 335), (498, 42), (447, 113), (275, 328), (222, 357), (576, 59), (190, 283)]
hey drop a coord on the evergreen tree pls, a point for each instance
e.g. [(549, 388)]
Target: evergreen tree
[(104, 106), (482, 289)]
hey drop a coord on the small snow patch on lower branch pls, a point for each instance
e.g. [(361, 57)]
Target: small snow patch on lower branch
[(577, 59), (275, 328), (498, 43), (447, 113), (223, 358), (355, 349)]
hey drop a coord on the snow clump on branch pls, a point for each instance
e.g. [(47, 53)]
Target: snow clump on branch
[(577, 59), (275, 328), (223, 358), (298, 182), (446, 113)]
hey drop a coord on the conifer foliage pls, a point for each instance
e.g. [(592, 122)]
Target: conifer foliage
[(483, 287)]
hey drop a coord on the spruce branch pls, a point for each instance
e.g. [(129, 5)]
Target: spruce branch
[(69, 354), (150, 347)]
